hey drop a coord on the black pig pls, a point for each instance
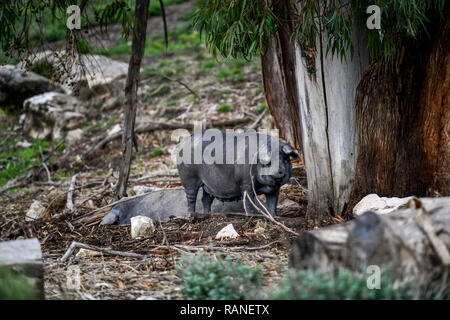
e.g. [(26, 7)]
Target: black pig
[(235, 160)]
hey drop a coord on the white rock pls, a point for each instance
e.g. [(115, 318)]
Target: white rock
[(259, 230), (144, 189), (51, 115), (383, 205), (288, 205), (93, 69), (36, 211), (115, 129), (141, 227), (24, 144), (74, 136), (227, 232), (84, 253), (145, 298)]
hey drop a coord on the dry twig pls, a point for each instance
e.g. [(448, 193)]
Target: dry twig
[(76, 245)]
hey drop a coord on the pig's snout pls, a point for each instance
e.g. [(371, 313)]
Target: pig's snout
[(279, 174)]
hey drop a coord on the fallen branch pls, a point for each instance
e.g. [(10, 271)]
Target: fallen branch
[(257, 122), (269, 217), (70, 206), (182, 83), (92, 215), (154, 126), (76, 245), (215, 248), (49, 176)]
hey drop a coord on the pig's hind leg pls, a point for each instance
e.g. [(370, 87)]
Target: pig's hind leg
[(191, 195), (207, 200)]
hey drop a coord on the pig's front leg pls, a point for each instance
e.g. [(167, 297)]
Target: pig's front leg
[(272, 200)]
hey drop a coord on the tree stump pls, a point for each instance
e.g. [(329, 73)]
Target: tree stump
[(411, 244)]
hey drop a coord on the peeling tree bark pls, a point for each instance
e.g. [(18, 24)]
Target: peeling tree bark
[(311, 97), (128, 137), (403, 120), (364, 129)]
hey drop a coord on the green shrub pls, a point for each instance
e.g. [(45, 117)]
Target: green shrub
[(156, 152), (15, 286), (309, 285), (261, 108), (224, 108), (14, 162), (207, 278)]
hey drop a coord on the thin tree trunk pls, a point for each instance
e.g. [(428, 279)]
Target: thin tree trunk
[(128, 137)]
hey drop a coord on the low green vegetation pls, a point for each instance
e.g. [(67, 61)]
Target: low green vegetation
[(156, 152), (13, 163), (14, 286), (83, 46), (261, 107), (209, 277), (154, 8), (61, 176), (215, 278), (5, 59), (181, 39), (230, 74), (224, 108), (308, 285)]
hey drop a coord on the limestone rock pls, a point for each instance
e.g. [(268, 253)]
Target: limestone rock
[(90, 70), (227, 232), (373, 202), (51, 115), (144, 189), (36, 211), (74, 136), (17, 85), (141, 227)]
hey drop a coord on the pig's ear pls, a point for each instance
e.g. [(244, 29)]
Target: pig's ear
[(287, 150)]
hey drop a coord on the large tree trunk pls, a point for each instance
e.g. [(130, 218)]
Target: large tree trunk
[(403, 116), (389, 135), (128, 137), (311, 97)]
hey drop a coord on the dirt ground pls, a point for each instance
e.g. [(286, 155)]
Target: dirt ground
[(115, 277)]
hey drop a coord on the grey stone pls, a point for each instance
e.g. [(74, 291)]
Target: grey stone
[(74, 136), (51, 115), (90, 70), (17, 85)]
